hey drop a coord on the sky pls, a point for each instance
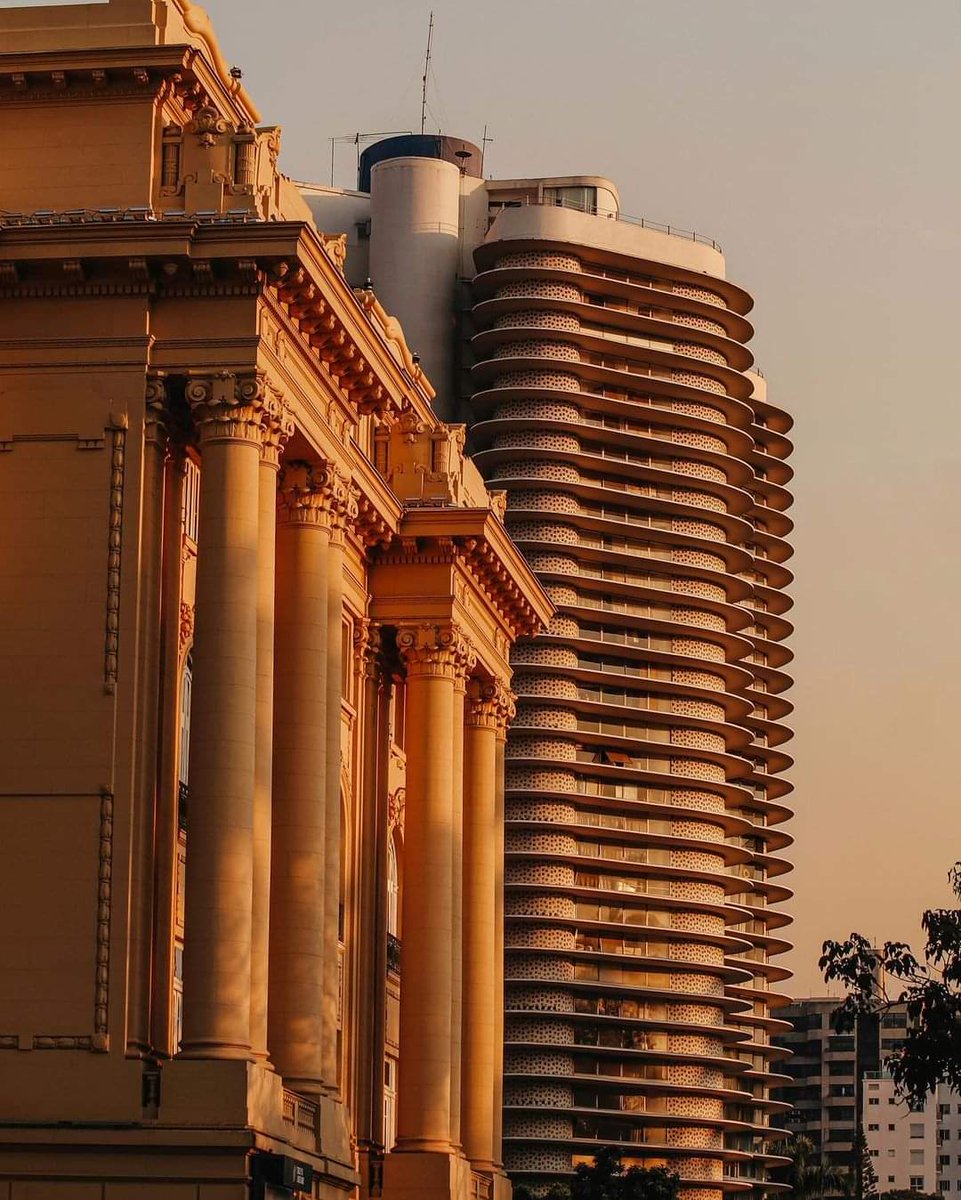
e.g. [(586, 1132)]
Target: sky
[(818, 142)]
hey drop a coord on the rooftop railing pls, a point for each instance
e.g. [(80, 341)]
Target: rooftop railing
[(125, 216), (611, 214)]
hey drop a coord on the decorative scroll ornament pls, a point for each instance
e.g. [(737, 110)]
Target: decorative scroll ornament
[(441, 650), (155, 410), (208, 125)]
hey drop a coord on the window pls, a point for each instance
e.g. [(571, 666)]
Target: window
[(891, 1179), (917, 1158), (945, 1135), (393, 889), (874, 1153), (890, 1129), (917, 1183), (873, 1128), (917, 1131), (944, 1185), (892, 1154), (959, 1160), (944, 1160), (873, 1100), (390, 1102)]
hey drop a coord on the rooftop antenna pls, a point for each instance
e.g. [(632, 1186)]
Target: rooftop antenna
[(485, 142), (423, 93)]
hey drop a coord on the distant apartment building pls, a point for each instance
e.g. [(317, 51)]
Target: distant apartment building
[(835, 1076), (903, 1142), (949, 1142), (826, 1069)]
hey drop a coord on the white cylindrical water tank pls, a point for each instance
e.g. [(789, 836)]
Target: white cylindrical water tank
[(414, 238)]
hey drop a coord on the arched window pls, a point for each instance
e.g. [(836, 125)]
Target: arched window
[(393, 889), (185, 688)]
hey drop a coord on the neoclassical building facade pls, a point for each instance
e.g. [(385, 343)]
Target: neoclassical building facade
[(258, 609)]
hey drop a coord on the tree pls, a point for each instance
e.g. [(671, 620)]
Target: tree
[(865, 1176), (807, 1174), (607, 1179), (876, 980)]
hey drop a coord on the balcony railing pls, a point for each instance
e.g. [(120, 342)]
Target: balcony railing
[(393, 954), (301, 1114), (182, 794)]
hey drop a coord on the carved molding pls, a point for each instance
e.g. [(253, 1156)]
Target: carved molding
[(186, 631), (396, 802), (436, 650), (99, 1040), (118, 444)]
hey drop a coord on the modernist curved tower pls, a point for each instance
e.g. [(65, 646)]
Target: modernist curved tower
[(604, 369), (645, 479)]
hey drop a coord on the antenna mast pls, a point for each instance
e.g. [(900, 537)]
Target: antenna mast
[(423, 94)]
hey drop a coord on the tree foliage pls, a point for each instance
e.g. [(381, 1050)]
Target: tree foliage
[(807, 1174), (877, 979), (607, 1179)]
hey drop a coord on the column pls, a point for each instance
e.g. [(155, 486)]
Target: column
[(148, 696), (229, 415), (278, 430), (370, 864), (299, 824), (506, 712), (434, 656), (457, 901), (487, 707), (165, 836), (340, 508)]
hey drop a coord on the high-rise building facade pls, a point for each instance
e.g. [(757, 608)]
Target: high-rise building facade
[(602, 364)]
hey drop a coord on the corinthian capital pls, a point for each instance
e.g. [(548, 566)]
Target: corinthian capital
[(278, 425), (341, 501), (302, 494), (490, 705), (232, 407), (440, 650)]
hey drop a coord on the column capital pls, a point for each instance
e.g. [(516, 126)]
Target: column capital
[(369, 648), (278, 425), (227, 406), (301, 494), (316, 493), (156, 414), (341, 502), (438, 650), (490, 705)]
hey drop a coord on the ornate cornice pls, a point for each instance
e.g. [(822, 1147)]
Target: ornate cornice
[(436, 650), (490, 705), (235, 407)]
